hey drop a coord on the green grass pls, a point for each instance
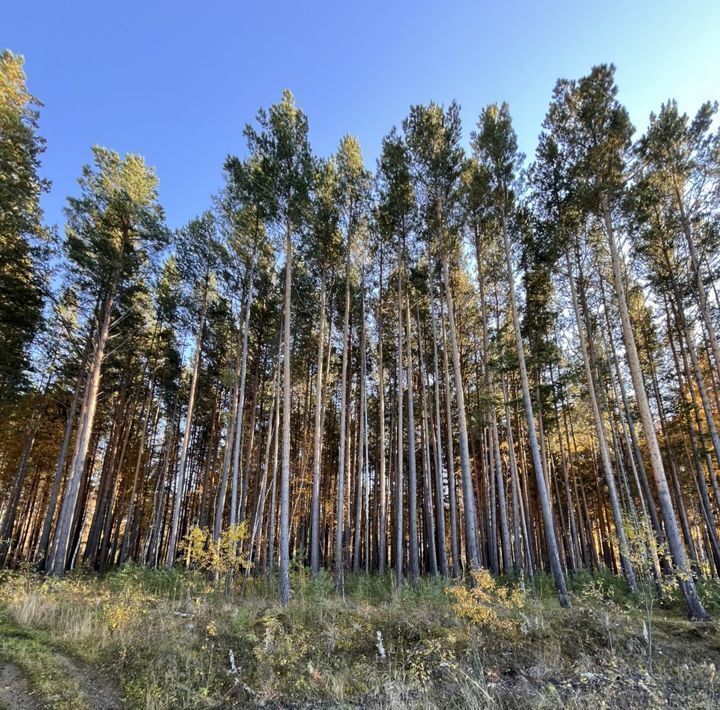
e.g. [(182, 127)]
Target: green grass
[(169, 637), (30, 651)]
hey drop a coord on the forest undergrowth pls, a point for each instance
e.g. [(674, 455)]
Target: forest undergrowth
[(179, 639)]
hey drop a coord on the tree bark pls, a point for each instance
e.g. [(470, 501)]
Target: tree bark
[(182, 464), (543, 496), (694, 605), (63, 530), (284, 568), (627, 566), (317, 440)]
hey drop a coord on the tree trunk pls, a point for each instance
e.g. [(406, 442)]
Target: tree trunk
[(439, 485), (240, 413), (430, 541), (42, 550), (414, 560), (382, 512), (285, 461), (694, 605), (399, 533), (317, 440), (340, 508), (628, 570), (452, 493), (471, 543), (64, 528), (182, 464), (543, 496)]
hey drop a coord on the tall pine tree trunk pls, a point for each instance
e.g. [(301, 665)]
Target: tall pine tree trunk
[(540, 483), (439, 484), (64, 527), (628, 570), (413, 547), (42, 550), (182, 464), (452, 493), (399, 532), (382, 503), (317, 440), (285, 456), (340, 507), (471, 541), (677, 550)]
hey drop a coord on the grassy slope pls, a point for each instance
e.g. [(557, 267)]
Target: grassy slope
[(167, 637)]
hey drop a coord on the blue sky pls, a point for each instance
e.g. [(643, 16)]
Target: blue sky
[(176, 81)]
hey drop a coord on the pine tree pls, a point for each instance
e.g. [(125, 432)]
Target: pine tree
[(433, 136), (111, 230), (496, 146), (22, 235), (596, 132), (281, 146)]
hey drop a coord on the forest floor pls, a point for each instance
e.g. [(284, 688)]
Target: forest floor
[(159, 639)]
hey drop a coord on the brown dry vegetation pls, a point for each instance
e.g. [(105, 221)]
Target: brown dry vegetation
[(167, 639)]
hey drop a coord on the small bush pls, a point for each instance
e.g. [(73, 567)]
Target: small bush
[(219, 557), (486, 603)]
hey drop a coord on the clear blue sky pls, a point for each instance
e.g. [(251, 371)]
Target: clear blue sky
[(176, 81)]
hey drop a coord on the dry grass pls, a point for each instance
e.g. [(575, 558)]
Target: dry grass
[(172, 640)]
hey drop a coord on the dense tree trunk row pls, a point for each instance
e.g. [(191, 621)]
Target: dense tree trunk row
[(426, 377)]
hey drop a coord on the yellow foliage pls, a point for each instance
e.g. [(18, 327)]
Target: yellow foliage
[(643, 552), (124, 609), (428, 656), (486, 603), (282, 651), (218, 556)]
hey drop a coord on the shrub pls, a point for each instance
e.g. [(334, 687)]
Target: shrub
[(221, 556), (486, 603)]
